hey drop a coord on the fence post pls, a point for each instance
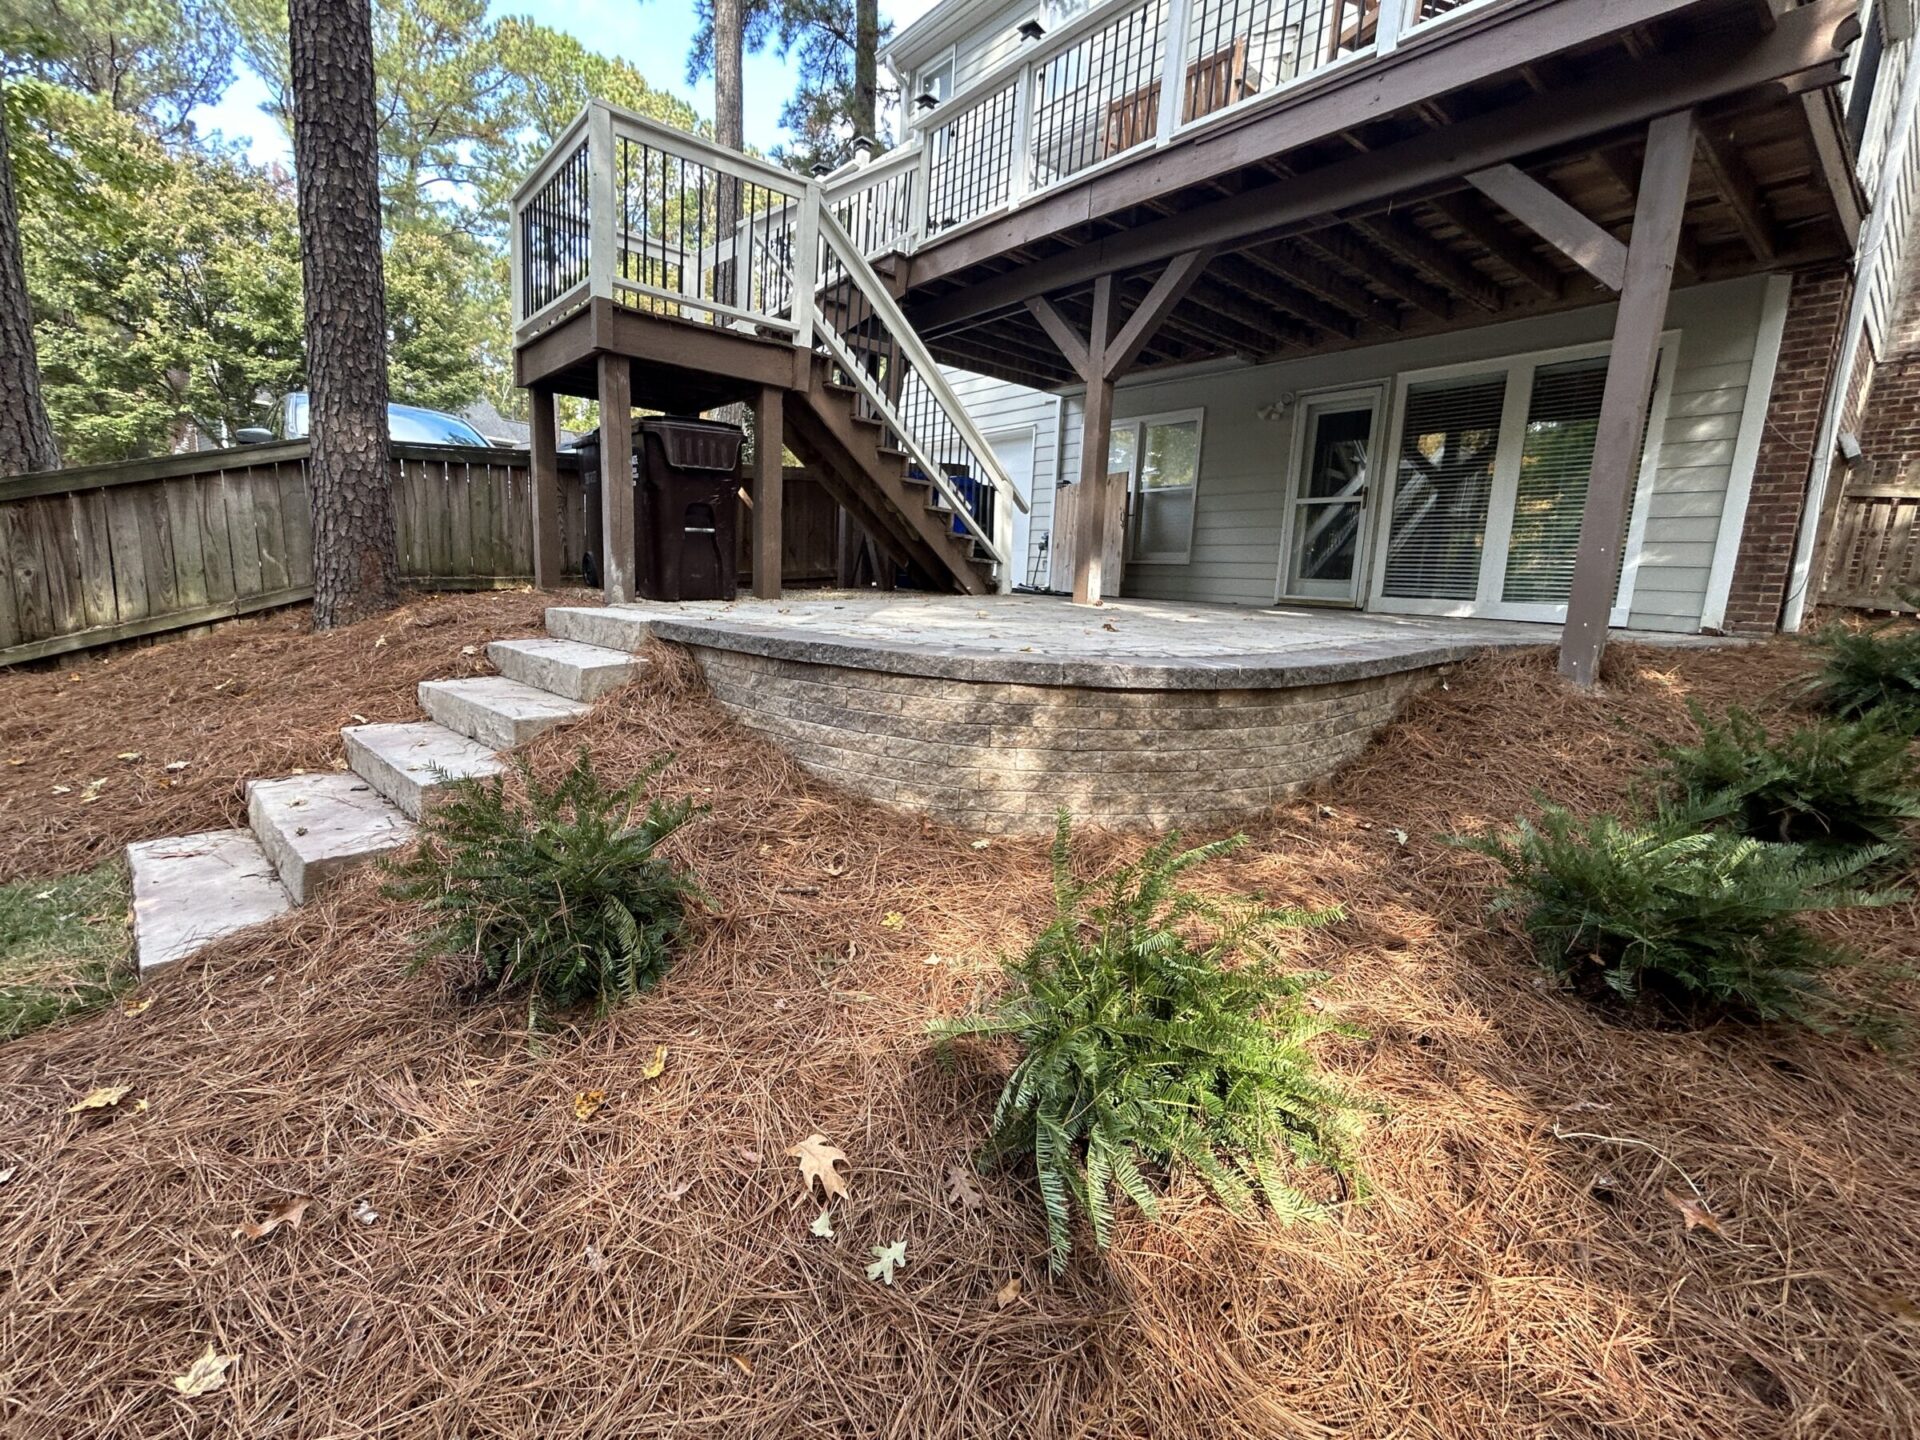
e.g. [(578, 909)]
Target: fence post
[(602, 242)]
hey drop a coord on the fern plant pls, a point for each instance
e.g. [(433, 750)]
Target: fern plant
[(1707, 919), (561, 893), (1832, 784), (1875, 671), (1158, 1031)]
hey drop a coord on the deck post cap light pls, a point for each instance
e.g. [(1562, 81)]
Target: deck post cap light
[(1031, 30), (925, 101)]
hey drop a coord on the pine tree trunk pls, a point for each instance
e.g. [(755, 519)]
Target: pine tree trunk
[(866, 56), (26, 436), (356, 567), (729, 48)]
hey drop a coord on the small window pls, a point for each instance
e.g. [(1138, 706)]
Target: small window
[(936, 80), (1163, 456)]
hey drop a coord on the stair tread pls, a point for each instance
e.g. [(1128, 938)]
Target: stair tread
[(316, 828), (191, 890), (609, 626), (494, 710), (409, 762), (573, 669)]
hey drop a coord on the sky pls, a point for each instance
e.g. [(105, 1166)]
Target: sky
[(652, 35)]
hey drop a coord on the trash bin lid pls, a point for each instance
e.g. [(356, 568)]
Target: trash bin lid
[(693, 444)]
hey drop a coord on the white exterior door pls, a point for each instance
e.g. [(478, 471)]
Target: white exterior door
[(1335, 456), (1014, 450)]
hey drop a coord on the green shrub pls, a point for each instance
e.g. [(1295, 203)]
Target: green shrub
[(1705, 919), (1868, 672), (560, 893), (1158, 1031), (1832, 784)]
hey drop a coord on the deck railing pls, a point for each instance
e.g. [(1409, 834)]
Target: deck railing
[(650, 218)]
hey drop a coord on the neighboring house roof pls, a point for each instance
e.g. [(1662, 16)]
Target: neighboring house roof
[(485, 417)]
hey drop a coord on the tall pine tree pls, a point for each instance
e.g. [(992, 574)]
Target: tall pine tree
[(26, 437)]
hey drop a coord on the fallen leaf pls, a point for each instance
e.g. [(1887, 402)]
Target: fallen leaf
[(209, 1372), (822, 1223), (893, 920), (1694, 1212), (380, 643), (1007, 1294), (468, 650), (817, 1159), (137, 1007), (128, 755), (886, 1259), (932, 960), (593, 1259), (748, 1154), (1109, 625), (1399, 835), (962, 1191), (177, 765), (746, 1365), (8, 1173), (101, 1099), (587, 1103), (364, 1212), (678, 1192), (63, 789), (981, 844), (656, 1065), (289, 1212)]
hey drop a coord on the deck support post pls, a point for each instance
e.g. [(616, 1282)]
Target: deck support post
[(543, 444), (1100, 359), (769, 481), (1651, 252), (617, 552)]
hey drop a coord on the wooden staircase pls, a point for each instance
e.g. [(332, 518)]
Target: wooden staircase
[(878, 486)]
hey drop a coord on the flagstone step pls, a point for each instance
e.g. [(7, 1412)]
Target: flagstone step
[(564, 667), (610, 626), (318, 828), (190, 890), (410, 764), (494, 710)]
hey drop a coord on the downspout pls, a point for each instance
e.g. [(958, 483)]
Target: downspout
[(1890, 164)]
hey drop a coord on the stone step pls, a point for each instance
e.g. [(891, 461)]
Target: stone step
[(191, 890), (410, 763), (494, 710), (317, 828), (613, 627), (564, 667)]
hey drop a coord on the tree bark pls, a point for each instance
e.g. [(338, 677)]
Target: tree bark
[(866, 79), (26, 435), (729, 48), (336, 147)]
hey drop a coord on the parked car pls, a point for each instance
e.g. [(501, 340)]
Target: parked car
[(410, 424)]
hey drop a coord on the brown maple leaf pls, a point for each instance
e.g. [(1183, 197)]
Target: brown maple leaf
[(1694, 1212), (289, 1212), (961, 1190), (817, 1159), (1007, 1294)]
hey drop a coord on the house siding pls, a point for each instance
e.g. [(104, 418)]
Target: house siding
[(996, 405), (1239, 507)]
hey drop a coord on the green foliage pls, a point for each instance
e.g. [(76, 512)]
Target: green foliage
[(1158, 1030), (1830, 784), (165, 283), (1706, 919), (561, 893), (1871, 671), (64, 947), (155, 59)]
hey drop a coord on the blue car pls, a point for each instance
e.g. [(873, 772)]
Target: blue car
[(406, 423)]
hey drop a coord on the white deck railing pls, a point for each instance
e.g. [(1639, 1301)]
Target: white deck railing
[(653, 219)]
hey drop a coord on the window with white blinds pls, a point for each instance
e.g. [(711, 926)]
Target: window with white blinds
[(1449, 442), (1556, 460)]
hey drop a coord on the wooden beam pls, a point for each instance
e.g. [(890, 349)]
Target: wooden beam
[(1259, 283), (617, 552), (1340, 246), (1168, 289), (1318, 278), (1479, 224), (769, 490), (1096, 433), (1809, 42), (1736, 186), (1554, 221), (543, 443), (1432, 259), (1060, 330), (1618, 437)]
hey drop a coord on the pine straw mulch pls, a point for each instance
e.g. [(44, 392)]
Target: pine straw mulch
[(257, 698), (1517, 1270)]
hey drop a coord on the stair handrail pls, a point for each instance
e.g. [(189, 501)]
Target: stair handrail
[(875, 292)]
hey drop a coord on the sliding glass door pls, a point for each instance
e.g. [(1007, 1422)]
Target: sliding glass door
[(1489, 474)]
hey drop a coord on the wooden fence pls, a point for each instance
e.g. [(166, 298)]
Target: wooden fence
[(1872, 547), (102, 553)]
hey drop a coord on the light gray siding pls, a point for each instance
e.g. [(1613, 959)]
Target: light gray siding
[(998, 406), (1239, 503)]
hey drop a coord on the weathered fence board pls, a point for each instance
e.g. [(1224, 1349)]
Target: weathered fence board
[(1872, 546)]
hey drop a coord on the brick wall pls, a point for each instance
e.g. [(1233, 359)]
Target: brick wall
[(1816, 310), (1003, 758)]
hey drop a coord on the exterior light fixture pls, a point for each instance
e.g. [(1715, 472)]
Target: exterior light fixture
[(925, 101)]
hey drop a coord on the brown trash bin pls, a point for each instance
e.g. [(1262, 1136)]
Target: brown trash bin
[(688, 518)]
